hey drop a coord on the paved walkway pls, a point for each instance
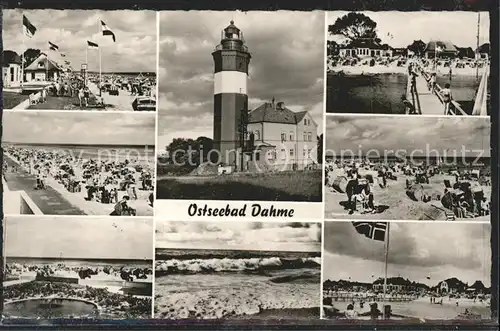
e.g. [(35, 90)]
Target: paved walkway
[(429, 102), (120, 102), (49, 200)]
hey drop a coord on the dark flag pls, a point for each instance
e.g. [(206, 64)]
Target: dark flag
[(28, 28), (92, 45), (106, 31), (372, 230), (53, 46)]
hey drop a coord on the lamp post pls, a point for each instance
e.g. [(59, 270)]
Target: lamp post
[(84, 74)]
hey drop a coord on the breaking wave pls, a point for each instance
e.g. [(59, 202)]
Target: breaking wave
[(249, 265)]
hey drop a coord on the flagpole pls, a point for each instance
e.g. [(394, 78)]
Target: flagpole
[(22, 57), (386, 246), (100, 64), (47, 66), (86, 64)]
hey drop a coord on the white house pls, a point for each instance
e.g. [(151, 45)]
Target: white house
[(283, 139), (364, 48), (11, 69), (42, 69)]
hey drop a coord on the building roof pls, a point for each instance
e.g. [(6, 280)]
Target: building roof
[(445, 45), (267, 112), (484, 48), (364, 43), (9, 57), (42, 58)]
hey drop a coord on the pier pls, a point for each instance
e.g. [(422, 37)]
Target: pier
[(426, 102)]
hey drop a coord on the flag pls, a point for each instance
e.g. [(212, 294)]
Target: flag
[(372, 230), (28, 28), (106, 31), (53, 46), (92, 45)]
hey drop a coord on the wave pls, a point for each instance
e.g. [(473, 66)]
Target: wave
[(250, 265)]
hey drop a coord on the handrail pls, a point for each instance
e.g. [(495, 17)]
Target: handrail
[(438, 90)]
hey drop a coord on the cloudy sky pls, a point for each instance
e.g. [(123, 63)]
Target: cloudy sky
[(458, 27), (384, 133), (287, 63), (80, 128), (77, 237), (271, 236), (416, 251), (135, 31)]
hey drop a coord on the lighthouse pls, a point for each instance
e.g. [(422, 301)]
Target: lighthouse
[(231, 60)]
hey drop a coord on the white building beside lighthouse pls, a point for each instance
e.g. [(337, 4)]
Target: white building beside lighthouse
[(231, 60)]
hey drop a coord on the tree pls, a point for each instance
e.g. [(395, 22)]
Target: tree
[(319, 149), (332, 48), (417, 47), (30, 55), (354, 26), (190, 152)]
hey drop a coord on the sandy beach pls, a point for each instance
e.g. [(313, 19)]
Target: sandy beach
[(392, 68), (421, 308), (142, 204), (396, 203)]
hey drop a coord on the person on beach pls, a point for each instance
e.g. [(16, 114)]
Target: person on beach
[(86, 95), (57, 88), (446, 94), (121, 207), (432, 82), (44, 94), (80, 96)]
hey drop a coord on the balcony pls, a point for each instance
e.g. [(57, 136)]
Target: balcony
[(231, 46)]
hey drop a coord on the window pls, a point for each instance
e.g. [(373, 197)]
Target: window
[(291, 152), (257, 156), (309, 136), (283, 136), (305, 121), (271, 155), (283, 154), (291, 136), (305, 136), (11, 74), (256, 135)]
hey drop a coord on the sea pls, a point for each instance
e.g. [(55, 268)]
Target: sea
[(382, 93), (70, 262), (107, 152), (209, 284)]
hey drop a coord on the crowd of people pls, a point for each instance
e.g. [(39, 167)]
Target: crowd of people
[(103, 180), (466, 197), (48, 270)]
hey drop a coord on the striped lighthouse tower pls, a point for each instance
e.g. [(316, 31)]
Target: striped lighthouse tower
[(231, 60)]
